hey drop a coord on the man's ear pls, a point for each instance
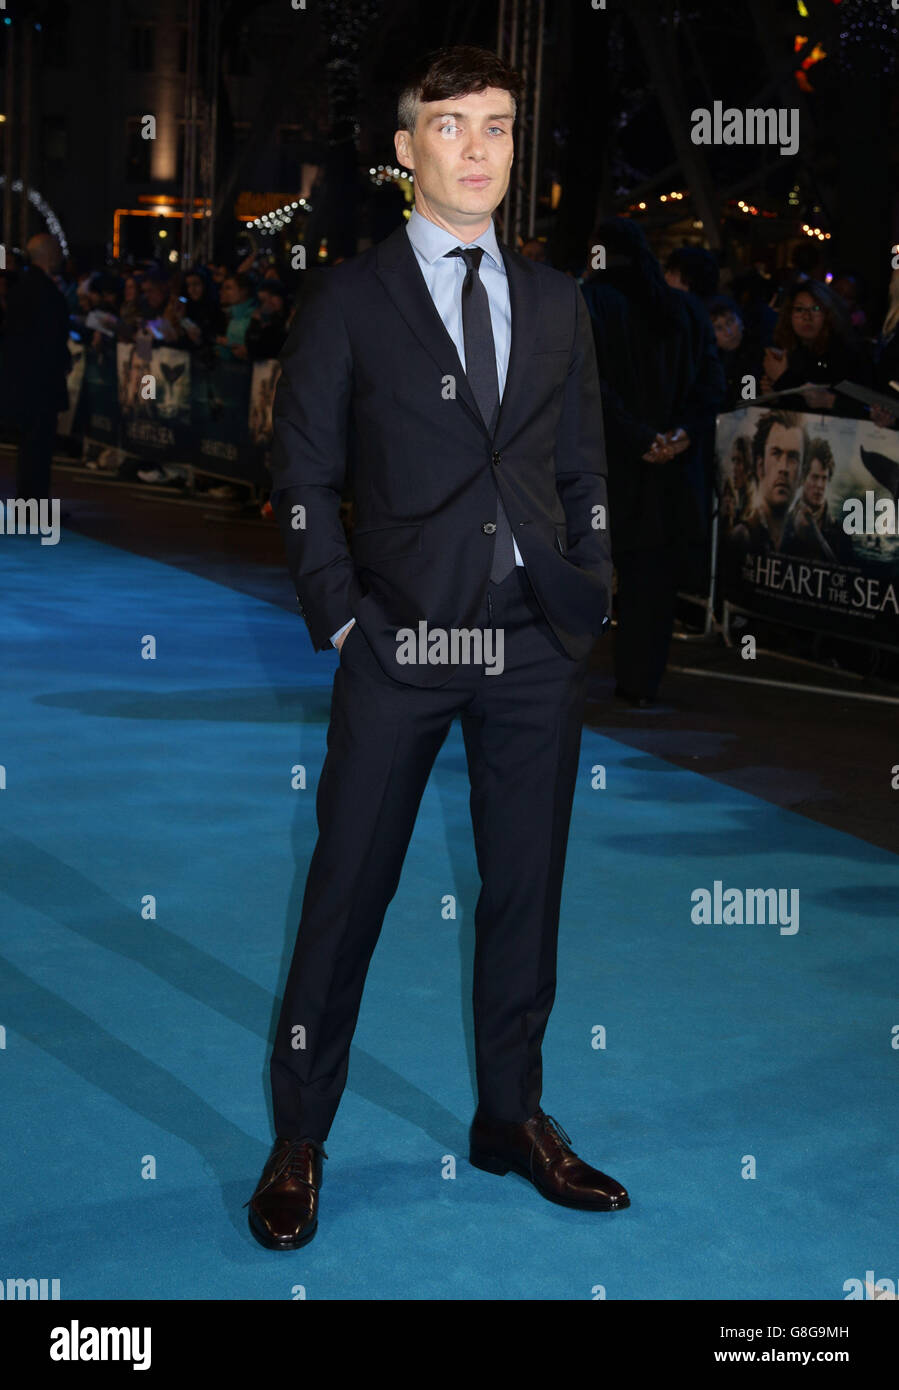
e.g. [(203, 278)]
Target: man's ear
[(403, 146)]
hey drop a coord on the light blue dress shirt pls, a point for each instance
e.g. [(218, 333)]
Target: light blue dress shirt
[(443, 276)]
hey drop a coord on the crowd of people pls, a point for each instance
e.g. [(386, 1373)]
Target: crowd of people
[(207, 309), (210, 310), (673, 352)]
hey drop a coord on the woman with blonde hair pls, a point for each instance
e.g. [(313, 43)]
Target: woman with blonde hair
[(886, 371)]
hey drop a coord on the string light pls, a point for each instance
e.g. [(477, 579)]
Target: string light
[(386, 173), (54, 226), (278, 218)]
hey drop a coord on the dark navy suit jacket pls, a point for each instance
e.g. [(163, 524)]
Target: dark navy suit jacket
[(372, 394)]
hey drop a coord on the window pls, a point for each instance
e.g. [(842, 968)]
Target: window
[(55, 30), (238, 56), (55, 140), (241, 135), (142, 48), (137, 154)]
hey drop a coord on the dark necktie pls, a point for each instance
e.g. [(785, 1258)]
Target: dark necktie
[(480, 369)]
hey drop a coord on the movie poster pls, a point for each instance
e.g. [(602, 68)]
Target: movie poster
[(66, 419), (154, 398), (97, 414), (807, 521), (220, 405), (262, 396)]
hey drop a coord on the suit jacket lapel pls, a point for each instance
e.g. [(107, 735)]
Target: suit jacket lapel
[(399, 271), (524, 311), (401, 276)]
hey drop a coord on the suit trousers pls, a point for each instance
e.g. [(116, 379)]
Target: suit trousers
[(522, 735), (647, 604), (36, 438)]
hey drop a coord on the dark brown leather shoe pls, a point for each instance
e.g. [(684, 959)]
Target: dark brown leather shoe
[(540, 1151), (283, 1211)]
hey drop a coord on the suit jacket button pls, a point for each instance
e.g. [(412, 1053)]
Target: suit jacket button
[(488, 528), (496, 458)]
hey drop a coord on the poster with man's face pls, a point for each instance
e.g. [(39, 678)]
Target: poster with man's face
[(154, 400), (807, 520)]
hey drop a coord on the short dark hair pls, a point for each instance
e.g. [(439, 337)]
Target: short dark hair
[(818, 449), (241, 280), (454, 72), (721, 305), (788, 419), (697, 267)]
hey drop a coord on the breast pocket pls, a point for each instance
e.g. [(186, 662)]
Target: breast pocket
[(549, 366), (551, 342), (386, 543)]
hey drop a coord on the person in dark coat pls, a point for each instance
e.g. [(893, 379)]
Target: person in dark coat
[(204, 318), (34, 363), (739, 349), (661, 383), (267, 329)]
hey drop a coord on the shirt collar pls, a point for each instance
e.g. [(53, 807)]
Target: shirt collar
[(431, 242)]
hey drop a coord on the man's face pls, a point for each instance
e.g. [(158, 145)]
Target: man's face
[(461, 152), (815, 487), (780, 466), (728, 331)]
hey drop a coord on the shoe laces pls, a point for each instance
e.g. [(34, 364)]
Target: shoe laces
[(290, 1164), (553, 1127)]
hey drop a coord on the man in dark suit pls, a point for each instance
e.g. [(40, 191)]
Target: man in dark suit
[(34, 363), (454, 383)]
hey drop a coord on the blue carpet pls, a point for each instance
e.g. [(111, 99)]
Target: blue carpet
[(134, 1071)]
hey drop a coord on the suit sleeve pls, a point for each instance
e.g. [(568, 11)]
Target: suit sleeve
[(581, 468), (309, 450)]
